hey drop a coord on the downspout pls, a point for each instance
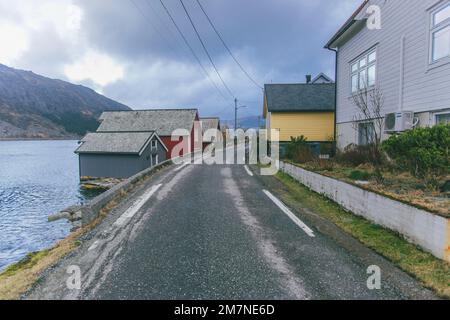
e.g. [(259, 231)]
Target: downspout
[(335, 96)]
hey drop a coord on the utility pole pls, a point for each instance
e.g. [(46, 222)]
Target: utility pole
[(236, 107), (235, 113)]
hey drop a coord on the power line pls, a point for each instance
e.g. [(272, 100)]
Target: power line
[(191, 49), (206, 50), (228, 49), (163, 23), (149, 21)]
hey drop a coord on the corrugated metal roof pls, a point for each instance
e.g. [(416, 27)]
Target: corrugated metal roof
[(300, 97), (119, 143), (210, 123), (164, 122)]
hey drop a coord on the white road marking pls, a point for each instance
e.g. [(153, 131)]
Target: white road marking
[(136, 206), (181, 167), (94, 245), (289, 213), (248, 171)]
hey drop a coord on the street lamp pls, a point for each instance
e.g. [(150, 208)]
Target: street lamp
[(236, 108)]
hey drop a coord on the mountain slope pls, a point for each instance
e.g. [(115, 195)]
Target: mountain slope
[(33, 106)]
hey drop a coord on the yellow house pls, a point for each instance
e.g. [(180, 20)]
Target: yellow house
[(301, 109)]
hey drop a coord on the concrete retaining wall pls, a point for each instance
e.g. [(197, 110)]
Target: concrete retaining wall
[(428, 230), (83, 215), (92, 209)]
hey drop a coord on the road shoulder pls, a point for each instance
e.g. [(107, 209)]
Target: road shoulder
[(404, 264)]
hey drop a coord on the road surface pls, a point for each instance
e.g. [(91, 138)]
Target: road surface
[(219, 232)]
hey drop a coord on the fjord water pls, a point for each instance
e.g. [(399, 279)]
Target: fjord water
[(37, 178)]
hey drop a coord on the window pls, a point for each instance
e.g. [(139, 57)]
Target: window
[(366, 133), (364, 72), (154, 144), (440, 33), (443, 118)]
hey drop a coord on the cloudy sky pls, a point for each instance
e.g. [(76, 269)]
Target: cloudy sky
[(130, 51)]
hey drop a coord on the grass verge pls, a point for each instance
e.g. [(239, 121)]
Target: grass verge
[(432, 272), (20, 277)]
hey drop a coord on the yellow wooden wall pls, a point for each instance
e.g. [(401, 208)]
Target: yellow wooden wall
[(315, 126)]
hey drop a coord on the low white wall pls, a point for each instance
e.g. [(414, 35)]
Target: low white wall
[(428, 230)]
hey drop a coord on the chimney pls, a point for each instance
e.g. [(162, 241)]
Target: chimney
[(308, 78)]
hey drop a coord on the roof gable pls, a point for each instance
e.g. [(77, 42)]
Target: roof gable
[(164, 122), (322, 78), (210, 123), (351, 26), (300, 97), (118, 142)]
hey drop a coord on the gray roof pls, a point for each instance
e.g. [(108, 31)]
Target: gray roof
[(119, 143), (210, 123), (164, 122), (300, 97)]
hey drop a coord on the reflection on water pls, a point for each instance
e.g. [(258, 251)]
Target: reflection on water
[(37, 178)]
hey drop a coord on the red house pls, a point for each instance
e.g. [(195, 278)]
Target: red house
[(183, 123), (210, 123)]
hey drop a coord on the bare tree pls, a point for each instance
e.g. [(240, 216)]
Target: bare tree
[(370, 119)]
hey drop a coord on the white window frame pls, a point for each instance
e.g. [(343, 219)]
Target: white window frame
[(154, 144), (370, 139), (437, 114), (436, 28), (365, 68)]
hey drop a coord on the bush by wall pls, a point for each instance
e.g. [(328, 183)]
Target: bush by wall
[(355, 155), (423, 151), (298, 150)]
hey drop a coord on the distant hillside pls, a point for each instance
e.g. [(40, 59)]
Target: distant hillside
[(33, 106), (246, 122)]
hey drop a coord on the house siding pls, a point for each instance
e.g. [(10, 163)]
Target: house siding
[(425, 89), (195, 141), (315, 126), (117, 165)]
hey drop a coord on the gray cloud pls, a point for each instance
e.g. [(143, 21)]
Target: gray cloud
[(276, 40)]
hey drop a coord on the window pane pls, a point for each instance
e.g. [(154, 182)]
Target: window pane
[(443, 118), (362, 63), (355, 83), (366, 133), (362, 79), (442, 15), (354, 67), (371, 76), (372, 57), (441, 44)]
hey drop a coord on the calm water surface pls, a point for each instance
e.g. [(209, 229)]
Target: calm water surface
[(37, 178)]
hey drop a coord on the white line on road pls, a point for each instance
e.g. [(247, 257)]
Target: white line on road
[(94, 245), (181, 167), (248, 171), (136, 206), (289, 213)]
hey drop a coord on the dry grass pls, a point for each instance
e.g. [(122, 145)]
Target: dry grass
[(16, 279), (19, 277)]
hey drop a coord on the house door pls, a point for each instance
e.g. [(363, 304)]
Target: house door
[(155, 160)]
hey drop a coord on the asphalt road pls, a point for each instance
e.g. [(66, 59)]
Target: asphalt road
[(211, 232)]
